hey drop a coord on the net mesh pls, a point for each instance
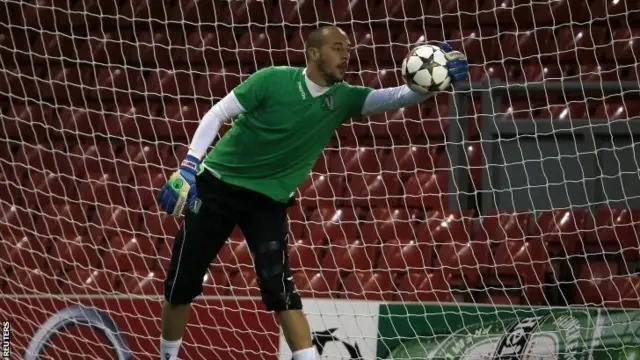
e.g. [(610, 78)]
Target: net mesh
[(99, 99)]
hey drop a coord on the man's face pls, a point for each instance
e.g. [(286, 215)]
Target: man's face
[(334, 56)]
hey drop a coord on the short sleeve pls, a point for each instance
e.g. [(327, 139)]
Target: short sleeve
[(251, 92), (356, 98)]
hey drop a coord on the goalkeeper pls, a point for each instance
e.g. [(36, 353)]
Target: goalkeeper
[(285, 117)]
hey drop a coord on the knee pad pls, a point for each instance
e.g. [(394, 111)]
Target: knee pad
[(274, 278), (181, 293)]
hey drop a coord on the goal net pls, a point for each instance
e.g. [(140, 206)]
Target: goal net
[(496, 220)]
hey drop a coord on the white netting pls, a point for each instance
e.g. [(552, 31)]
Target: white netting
[(98, 100)]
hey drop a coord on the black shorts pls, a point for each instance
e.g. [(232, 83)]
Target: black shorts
[(264, 224)]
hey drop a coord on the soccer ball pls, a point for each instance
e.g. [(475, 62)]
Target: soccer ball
[(425, 69)]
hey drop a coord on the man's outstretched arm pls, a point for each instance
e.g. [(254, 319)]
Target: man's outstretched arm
[(382, 100)]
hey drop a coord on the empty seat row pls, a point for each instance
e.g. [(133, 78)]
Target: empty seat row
[(258, 12)]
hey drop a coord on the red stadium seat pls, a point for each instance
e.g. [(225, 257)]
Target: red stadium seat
[(216, 283), (155, 48), (303, 255), (321, 190), (63, 220), (15, 221), (29, 252), (131, 254), (427, 190), (140, 11), (448, 227), (96, 157), (47, 188), (145, 189), (383, 224), (138, 121), (480, 45), (103, 189), (359, 160), (374, 189), (27, 122), (332, 224), (315, 283), (561, 230), (159, 224), (408, 159), (464, 263), (582, 44), (497, 227), (33, 282), (245, 283), (422, 287), (90, 282), (500, 297), (522, 264), (66, 84), (109, 221), (170, 83), (80, 123), (150, 284), (118, 82), (615, 231), (369, 285), (611, 111), (401, 255), (625, 45), (372, 46), (78, 252), (193, 11), (297, 222), (523, 45), (255, 46), (144, 158), (217, 82), (104, 47), (350, 255)]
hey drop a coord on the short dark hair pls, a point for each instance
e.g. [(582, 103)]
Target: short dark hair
[(316, 37)]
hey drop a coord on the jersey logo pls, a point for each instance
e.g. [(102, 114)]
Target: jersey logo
[(328, 103), (301, 90)]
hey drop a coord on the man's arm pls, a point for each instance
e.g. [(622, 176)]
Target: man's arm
[(227, 108), (382, 100)]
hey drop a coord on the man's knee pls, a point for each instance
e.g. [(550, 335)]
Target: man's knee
[(181, 294), (274, 278), (279, 294)]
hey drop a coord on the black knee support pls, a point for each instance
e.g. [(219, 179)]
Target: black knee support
[(274, 278)]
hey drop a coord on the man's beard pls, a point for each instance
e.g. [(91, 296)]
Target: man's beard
[(328, 77)]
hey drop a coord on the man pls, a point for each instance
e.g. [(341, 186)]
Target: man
[(285, 117)]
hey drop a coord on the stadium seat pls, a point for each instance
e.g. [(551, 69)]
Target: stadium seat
[(104, 188), (304, 256), (321, 190), (130, 254), (245, 283), (15, 221), (137, 122), (350, 255), (447, 227), (142, 157), (216, 283), (580, 44), (614, 231), (359, 160), (315, 284), (192, 11), (66, 84), (234, 255), (500, 297), (329, 224), (79, 122), (522, 264), (401, 255), (102, 46), (372, 46), (256, 47), (561, 230), (170, 83), (164, 256), (497, 227), (95, 157), (116, 82), (423, 287), (407, 159), (612, 111), (373, 189), (63, 220), (480, 45), (218, 81), (29, 252), (159, 224), (79, 252), (44, 188), (297, 222), (11, 191), (427, 190), (600, 72), (383, 224), (32, 282), (155, 48), (27, 122), (465, 264), (143, 190), (90, 282), (140, 11), (109, 221), (625, 45), (369, 285)]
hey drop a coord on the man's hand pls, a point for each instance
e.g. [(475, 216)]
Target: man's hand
[(180, 190), (457, 63)]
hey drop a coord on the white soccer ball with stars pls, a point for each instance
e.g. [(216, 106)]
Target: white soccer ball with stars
[(425, 69)]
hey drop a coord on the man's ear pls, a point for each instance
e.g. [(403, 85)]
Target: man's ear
[(314, 53)]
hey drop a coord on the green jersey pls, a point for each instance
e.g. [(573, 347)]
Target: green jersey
[(272, 146)]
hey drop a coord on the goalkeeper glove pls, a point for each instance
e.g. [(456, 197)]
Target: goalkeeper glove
[(180, 190), (457, 63)]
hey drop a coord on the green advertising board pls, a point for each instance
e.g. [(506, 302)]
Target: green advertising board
[(461, 331)]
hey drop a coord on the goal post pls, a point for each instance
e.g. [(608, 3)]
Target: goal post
[(502, 207)]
